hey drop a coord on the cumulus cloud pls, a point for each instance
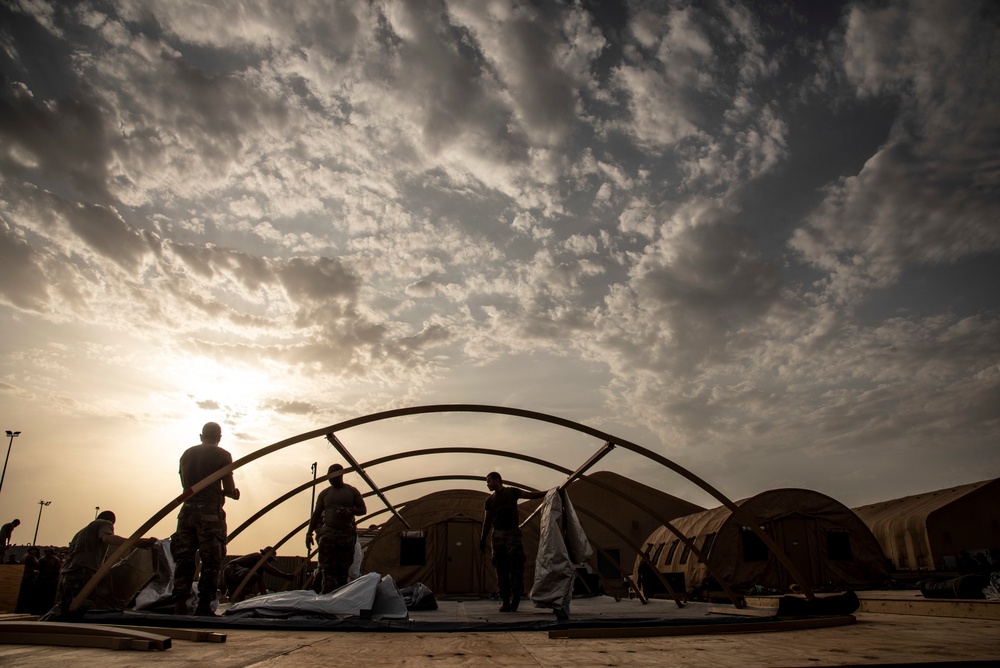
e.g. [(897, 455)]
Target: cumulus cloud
[(318, 209), (929, 195)]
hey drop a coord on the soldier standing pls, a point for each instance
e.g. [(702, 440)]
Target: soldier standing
[(201, 524), (336, 529)]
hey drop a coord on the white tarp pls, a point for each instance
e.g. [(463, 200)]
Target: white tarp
[(370, 592), (562, 544)]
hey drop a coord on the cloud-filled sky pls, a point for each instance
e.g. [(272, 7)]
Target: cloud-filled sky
[(761, 240)]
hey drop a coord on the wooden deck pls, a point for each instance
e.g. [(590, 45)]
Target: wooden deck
[(875, 638)]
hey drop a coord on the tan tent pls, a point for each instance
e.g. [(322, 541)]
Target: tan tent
[(619, 508), (441, 548), (929, 531), (828, 543)]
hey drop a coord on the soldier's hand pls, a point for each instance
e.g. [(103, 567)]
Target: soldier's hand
[(309, 540), (235, 496)]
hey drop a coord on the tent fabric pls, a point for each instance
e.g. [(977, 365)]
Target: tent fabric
[(614, 498), (562, 544), (802, 522), (371, 593), (926, 531)]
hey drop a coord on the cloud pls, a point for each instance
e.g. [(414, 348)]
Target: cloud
[(290, 407), (22, 281), (929, 195)]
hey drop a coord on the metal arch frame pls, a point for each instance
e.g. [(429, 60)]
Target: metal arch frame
[(736, 600), (310, 553), (260, 562), (441, 408), (385, 460)]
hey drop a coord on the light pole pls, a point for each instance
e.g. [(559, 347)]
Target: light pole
[(10, 434), (97, 509), (41, 505)]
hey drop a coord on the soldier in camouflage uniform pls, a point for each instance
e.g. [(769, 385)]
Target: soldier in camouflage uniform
[(201, 524), (508, 551), (333, 521), (86, 555)]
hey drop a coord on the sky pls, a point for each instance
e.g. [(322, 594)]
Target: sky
[(759, 239)]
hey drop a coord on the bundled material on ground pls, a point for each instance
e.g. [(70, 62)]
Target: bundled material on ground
[(371, 596), (964, 586)]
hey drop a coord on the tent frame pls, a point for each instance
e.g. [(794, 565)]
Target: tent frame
[(429, 409)]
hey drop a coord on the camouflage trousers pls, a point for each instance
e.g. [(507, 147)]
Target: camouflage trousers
[(70, 584), (201, 531), (508, 558), (336, 554)]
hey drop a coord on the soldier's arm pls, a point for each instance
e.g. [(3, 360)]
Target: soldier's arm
[(359, 504), (317, 516), (487, 525), (229, 488)]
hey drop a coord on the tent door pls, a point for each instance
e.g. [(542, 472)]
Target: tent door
[(463, 540), (798, 540)]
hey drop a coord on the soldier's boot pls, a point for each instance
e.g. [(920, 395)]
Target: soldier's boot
[(204, 609), (506, 605), (514, 602)]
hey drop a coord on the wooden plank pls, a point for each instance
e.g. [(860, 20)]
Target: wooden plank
[(75, 640), (934, 607), (742, 612), (28, 630), (191, 635), (703, 629)]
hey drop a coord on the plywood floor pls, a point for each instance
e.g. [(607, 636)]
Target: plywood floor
[(874, 639)]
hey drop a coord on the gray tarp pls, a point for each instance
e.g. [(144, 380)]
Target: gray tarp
[(562, 544), (371, 592)]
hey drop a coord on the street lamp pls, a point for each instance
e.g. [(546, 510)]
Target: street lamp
[(41, 505), (11, 435), (97, 509)]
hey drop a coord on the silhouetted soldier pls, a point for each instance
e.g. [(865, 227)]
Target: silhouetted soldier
[(201, 524), (508, 551), (86, 553), (48, 579), (336, 529), (6, 531)]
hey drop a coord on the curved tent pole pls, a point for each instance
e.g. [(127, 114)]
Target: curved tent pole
[(434, 478), (260, 562), (423, 410), (628, 541), (594, 517), (390, 458), (738, 601)]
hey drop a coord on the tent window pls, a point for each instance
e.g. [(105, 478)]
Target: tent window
[(707, 545), (686, 553), (412, 548), (671, 551), (754, 548), (649, 548), (838, 545), (656, 555)]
